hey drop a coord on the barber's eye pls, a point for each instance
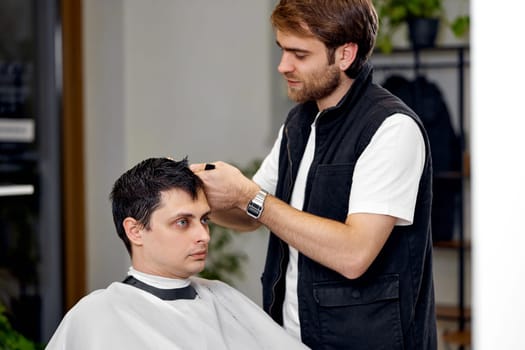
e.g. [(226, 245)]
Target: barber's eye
[(300, 56)]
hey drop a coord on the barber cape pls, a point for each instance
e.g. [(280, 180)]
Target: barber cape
[(125, 317)]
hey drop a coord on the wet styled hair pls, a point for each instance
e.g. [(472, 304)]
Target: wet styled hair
[(333, 22), (137, 192)]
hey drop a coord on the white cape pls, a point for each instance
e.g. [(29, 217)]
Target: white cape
[(125, 317)]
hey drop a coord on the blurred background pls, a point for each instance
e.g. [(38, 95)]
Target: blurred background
[(89, 88)]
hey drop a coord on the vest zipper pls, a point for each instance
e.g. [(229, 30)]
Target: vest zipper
[(274, 285), (290, 166), (281, 247)]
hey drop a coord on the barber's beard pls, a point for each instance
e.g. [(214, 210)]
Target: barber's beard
[(316, 85)]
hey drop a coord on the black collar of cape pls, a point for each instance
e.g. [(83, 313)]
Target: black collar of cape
[(187, 292)]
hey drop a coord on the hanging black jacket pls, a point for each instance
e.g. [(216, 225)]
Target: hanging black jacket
[(426, 99)]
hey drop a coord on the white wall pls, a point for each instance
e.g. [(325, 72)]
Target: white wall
[(105, 138), (498, 175), (177, 78), (197, 79)]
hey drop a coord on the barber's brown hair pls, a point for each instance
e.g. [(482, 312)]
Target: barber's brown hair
[(333, 22)]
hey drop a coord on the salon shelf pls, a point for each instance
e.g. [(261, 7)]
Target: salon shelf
[(452, 312), (452, 244), (16, 190), (460, 338)]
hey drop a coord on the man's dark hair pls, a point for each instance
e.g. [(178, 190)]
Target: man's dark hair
[(333, 22), (137, 192)]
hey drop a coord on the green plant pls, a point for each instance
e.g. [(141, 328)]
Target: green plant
[(223, 262), (460, 25), (10, 339), (395, 13)]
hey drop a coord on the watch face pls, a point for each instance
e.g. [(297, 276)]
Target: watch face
[(256, 205), (254, 210)]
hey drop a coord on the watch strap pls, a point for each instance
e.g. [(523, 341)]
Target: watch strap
[(256, 205)]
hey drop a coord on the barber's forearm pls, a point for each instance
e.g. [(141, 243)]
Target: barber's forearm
[(235, 219), (326, 241)]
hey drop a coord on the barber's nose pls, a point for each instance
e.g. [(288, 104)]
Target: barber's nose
[(285, 65)]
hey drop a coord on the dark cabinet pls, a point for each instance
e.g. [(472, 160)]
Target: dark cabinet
[(30, 213)]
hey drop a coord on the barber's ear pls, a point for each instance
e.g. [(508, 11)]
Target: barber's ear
[(347, 53), (133, 230)]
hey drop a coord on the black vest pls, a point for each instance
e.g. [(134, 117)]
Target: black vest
[(391, 306)]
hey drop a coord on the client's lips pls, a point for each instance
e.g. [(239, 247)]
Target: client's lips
[(201, 254)]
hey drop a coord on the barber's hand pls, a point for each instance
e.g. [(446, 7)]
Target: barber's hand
[(226, 187)]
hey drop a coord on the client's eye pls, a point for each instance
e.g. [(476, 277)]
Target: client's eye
[(182, 222)]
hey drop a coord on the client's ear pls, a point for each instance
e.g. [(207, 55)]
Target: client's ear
[(133, 230)]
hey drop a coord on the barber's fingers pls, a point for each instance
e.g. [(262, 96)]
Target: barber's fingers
[(198, 167)]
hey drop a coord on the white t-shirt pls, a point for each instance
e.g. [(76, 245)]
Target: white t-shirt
[(385, 181)]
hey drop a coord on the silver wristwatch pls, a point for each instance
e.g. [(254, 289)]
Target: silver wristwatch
[(256, 206)]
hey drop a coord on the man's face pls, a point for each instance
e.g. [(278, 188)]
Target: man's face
[(176, 245), (304, 65)]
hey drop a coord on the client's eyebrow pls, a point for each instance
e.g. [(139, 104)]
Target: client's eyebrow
[(190, 215)]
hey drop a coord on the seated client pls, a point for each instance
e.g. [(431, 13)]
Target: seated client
[(161, 214)]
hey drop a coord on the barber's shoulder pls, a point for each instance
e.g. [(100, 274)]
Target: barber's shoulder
[(399, 122), (400, 118)]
